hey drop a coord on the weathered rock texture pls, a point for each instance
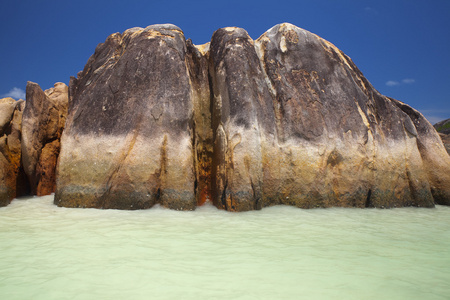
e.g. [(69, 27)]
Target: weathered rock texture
[(286, 119), (443, 128), (42, 125), (129, 138), (446, 140), (10, 153)]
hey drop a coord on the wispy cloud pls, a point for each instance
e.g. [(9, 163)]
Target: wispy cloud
[(392, 83), (408, 80), (403, 81), (370, 10), (15, 93)]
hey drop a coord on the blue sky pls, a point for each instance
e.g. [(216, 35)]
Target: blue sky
[(402, 47)]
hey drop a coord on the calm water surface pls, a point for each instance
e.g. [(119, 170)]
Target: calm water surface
[(280, 252)]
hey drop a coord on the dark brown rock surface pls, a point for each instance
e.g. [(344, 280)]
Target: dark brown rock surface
[(10, 153), (301, 126), (128, 143), (42, 125), (286, 119)]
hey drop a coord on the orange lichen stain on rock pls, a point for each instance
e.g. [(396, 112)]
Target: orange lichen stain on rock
[(204, 187), (204, 161), (229, 203), (45, 169), (291, 36), (205, 195)]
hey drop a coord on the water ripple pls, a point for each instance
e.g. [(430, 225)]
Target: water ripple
[(276, 253)]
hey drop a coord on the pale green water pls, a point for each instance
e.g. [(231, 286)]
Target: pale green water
[(281, 252)]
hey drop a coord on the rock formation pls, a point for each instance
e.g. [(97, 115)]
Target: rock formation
[(10, 153), (286, 119), (443, 128), (129, 136), (446, 140), (42, 125)]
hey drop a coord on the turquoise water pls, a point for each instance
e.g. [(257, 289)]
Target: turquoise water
[(276, 253)]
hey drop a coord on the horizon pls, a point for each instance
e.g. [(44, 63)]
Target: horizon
[(400, 47)]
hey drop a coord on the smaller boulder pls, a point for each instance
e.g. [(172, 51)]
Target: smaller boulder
[(10, 145), (43, 122)]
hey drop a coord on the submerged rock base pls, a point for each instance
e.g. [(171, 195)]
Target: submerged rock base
[(286, 119)]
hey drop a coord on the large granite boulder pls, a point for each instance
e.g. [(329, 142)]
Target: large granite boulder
[(10, 153), (296, 123), (129, 136), (42, 125), (286, 119)]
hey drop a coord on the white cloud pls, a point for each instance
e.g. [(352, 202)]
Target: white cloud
[(408, 80), (403, 81), (15, 93), (392, 83)]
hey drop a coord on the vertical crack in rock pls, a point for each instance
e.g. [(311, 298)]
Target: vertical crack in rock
[(218, 171), (162, 181), (368, 202), (198, 67)]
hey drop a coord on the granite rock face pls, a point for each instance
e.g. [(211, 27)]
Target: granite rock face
[(42, 125), (436, 161), (446, 140), (298, 124), (129, 136), (10, 148), (443, 128), (286, 119)]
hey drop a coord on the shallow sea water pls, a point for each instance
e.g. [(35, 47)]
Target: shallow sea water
[(47, 252)]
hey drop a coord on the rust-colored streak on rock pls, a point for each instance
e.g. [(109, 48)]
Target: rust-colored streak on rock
[(204, 161), (197, 61), (46, 168), (205, 195)]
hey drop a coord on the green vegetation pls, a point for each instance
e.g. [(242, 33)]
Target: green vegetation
[(442, 127)]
